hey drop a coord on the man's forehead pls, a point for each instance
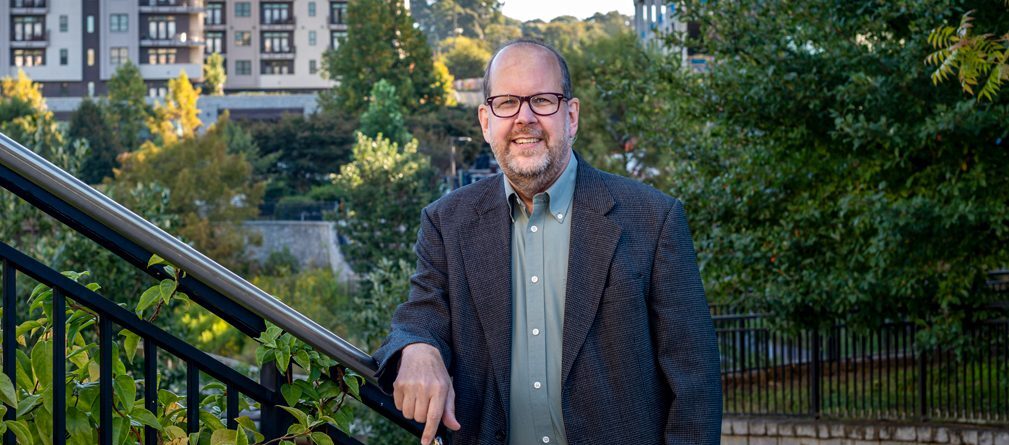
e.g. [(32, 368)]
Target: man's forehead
[(522, 57)]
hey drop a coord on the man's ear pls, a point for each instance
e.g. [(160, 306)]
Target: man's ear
[(574, 106), (484, 115)]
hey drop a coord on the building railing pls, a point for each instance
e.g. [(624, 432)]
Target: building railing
[(884, 374), (289, 20), (207, 283), (30, 37), (29, 4)]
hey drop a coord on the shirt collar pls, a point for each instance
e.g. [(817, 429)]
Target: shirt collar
[(559, 195)]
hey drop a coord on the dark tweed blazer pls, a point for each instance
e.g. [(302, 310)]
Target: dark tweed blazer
[(640, 360)]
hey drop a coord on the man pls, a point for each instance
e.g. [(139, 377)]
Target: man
[(556, 304)]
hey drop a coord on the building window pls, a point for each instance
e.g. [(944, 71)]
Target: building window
[(64, 23), (91, 24), (313, 67), (118, 55), (338, 13), (64, 57), (119, 23), (334, 38), (161, 56), (29, 57), (214, 14), (311, 9), (277, 67), (243, 38), (311, 38), (243, 67), (161, 27), (243, 9), (276, 14), (91, 89), (28, 28), (276, 42), (91, 57), (215, 42)]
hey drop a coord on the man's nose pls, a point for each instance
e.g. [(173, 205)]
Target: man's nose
[(526, 115)]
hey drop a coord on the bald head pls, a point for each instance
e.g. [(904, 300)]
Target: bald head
[(539, 47)]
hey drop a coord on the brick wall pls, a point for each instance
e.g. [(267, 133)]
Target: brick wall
[(786, 431)]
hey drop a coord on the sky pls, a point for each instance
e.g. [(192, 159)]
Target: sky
[(548, 9)]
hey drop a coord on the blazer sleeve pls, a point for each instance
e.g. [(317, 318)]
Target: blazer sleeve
[(686, 347), (425, 316)]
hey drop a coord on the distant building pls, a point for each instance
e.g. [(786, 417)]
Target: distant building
[(72, 47), (654, 19)]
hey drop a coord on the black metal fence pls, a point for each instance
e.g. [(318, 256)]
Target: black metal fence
[(881, 374)]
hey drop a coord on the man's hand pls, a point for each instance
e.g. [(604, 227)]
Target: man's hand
[(423, 390)]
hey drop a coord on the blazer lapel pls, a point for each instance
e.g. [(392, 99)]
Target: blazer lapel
[(594, 238), (486, 250)]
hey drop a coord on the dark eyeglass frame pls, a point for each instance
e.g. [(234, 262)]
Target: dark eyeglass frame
[(525, 99)]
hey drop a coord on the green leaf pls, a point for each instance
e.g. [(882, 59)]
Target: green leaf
[(130, 343), (296, 429), (343, 417), (283, 353), (125, 389), (209, 421), (77, 421), (42, 362), (223, 437), (144, 416), (7, 393), (20, 429), (26, 327), (93, 287), (248, 424), (353, 385), (297, 413), (174, 432), (321, 438), (167, 287), (28, 403), (291, 393), (120, 430), (302, 359), (147, 298), (241, 438), (155, 260)]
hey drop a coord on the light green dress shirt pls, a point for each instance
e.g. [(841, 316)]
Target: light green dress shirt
[(540, 244)]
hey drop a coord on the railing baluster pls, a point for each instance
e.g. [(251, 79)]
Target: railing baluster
[(59, 367), (192, 398), (10, 322), (150, 387), (232, 407), (105, 380)]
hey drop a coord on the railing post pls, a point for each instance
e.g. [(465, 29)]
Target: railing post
[(273, 421), (9, 338), (815, 373), (923, 384)]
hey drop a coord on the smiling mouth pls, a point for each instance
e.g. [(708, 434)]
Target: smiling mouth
[(526, 141)]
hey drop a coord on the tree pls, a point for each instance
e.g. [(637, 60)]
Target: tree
[(128, 110), (25, 118), (466, 58), (211, 190), (381, 43), (827, 179), (177, 117), (448, 18), (127, 85), (91, 122), (384, 116), (214, 76), (383, 190)]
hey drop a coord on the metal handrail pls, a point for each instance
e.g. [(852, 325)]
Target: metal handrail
[(129, 225)]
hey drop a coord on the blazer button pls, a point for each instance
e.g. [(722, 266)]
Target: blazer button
[(499, 435)]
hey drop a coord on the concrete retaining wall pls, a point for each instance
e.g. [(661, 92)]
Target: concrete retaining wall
[(778, 431), (314, 243)]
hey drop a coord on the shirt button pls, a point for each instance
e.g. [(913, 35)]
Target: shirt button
[(559, 216), (536, 332), (535, 279), (534, 229), (537, 385), (546, 439)]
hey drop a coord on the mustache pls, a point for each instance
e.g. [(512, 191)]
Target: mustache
[(526, 132)]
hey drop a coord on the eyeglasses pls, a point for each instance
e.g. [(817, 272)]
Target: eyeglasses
[(542, 104)]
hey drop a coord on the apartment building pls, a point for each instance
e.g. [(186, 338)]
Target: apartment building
[(72, 47), (655, 18)]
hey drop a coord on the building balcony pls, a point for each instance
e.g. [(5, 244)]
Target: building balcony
[(278, 24), (215, 26), (336, 25), (171, 71), (29, 7), (31, 41), (172, 6), (177, 41), (278, 55)]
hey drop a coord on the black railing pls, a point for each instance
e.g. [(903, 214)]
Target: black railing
[(214, 287), (879, 375)]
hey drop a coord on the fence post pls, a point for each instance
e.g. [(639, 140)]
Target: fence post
[(815, 395)]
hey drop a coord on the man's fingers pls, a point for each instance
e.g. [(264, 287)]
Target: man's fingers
[(430, 429), (448, 418), (433, 419), (408, 404)]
